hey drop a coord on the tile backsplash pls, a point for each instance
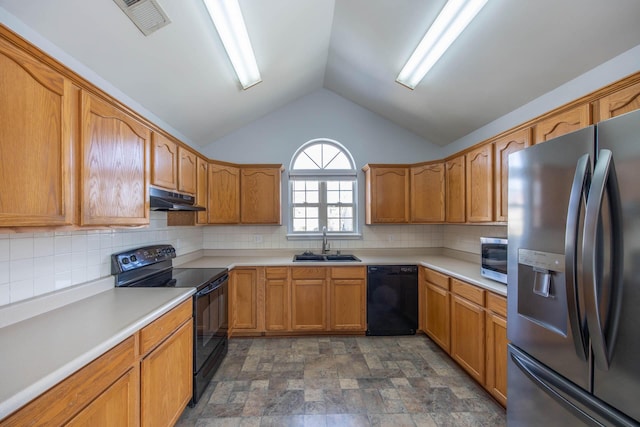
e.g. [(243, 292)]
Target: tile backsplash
[(33, 264)]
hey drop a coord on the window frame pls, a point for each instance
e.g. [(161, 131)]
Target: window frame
[(323, 175)]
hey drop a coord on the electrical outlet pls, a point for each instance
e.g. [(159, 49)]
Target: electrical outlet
[(257, 238)]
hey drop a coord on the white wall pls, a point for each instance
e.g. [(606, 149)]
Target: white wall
[(33, 264)]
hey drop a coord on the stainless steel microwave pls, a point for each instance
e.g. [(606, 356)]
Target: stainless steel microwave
[(494, 258)]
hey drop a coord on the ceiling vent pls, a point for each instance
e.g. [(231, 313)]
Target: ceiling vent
[(146, 14)]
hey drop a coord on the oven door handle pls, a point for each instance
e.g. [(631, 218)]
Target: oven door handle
[(212, 287)]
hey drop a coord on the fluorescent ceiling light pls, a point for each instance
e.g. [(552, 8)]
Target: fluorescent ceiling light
[(452, 20), (227, 18)]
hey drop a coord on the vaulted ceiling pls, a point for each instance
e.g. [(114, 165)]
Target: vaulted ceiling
[(513, 52)]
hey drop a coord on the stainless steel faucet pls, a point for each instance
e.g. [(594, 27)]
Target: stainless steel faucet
[(325, 243)]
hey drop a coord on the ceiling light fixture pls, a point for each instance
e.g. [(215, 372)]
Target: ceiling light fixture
[(227, 18), (452, 20)]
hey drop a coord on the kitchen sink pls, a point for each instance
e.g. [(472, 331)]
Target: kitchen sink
[(311, 257)]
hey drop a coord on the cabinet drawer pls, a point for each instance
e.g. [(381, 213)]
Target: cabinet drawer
[(467, 291), (276, 272), (436, 278), (497, 304), (308, 272), (153, 334), (348, 272)]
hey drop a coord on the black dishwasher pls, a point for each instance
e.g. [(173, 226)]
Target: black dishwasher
[(392, 299)]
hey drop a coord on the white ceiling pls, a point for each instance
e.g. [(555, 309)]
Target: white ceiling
[(513, 52)]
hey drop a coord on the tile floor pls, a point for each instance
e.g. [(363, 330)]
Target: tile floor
[(341, 381)]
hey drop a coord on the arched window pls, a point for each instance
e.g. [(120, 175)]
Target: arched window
[(322, 183)]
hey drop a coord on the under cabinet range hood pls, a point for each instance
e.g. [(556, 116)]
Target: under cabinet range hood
[(162, 200)]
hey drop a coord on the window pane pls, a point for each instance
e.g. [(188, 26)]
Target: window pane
[(333, 185), (298, 197), (346, 197), (346, 225), (304, 162), (333, 224), (333, 212), (346, 212), (298, 212), (333, 196), (346, 185), (312, 225), (313, 197), (313, 185), (299, 225), (339, 162)]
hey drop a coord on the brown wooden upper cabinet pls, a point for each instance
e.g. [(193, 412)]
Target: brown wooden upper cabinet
[(173, 167), (387, 194), (504, 146), (37, 109), (480, 184), (260, 195), (224, 194), (114, 166), (455, 189), (164, 162), (202, 189), (617, 103), (427, 193), (562, 123)]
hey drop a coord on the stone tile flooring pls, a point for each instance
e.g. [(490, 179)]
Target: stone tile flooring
[(341, 381)]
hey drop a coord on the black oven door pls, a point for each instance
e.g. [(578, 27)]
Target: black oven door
[(210, 321)]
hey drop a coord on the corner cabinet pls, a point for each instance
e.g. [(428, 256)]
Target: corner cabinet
[(114, 166), (38, 118), (260, 194), (427, 193), (386, 194)]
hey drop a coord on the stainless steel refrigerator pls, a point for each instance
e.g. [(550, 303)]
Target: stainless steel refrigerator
[(574, 279)]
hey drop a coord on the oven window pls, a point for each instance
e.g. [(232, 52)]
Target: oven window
[(494, 257), (208, 325)]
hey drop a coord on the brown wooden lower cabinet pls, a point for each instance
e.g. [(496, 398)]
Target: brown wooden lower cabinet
[(308, 298), (348, 299), (125, 386), (277, 296), (470, 324)]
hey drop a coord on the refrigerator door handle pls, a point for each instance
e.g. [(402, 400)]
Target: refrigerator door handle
[(584, 405), (603, 334), (581, 181)]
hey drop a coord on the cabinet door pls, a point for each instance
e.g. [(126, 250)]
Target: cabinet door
[(36, 116), (468, 336), (387, 195), (503, 147), (260, 196), (496, 361), (223, 205), (348, 305), (308, 305), (480, 184), (115, 165), (620, 102), (244, 299), (202, 189), (455, 189), (277, 299), (438, 315), (187, 171), (559, 124), (427, 193), (167, 379), (164, 162), (116, 406)]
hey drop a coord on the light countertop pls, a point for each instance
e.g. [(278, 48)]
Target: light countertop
[(450, 263), (41, 351)]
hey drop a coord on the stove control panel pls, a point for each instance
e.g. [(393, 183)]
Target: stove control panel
[(141, 257)]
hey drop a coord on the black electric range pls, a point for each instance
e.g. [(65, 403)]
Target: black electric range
[(151, 267)]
